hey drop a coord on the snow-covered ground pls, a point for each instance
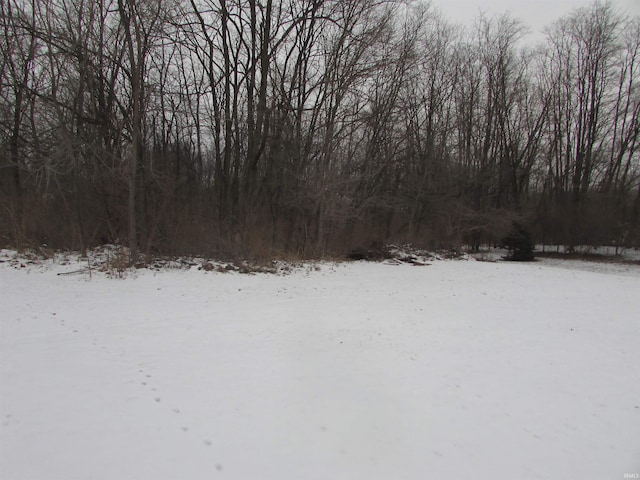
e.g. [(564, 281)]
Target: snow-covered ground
[(458, 369)]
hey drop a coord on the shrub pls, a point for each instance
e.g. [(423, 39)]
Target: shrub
[(375, 251), (519, 243)]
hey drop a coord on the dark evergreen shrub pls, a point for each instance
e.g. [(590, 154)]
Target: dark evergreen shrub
[(520, 244)]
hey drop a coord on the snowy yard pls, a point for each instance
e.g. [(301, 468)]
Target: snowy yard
[(460, 369)]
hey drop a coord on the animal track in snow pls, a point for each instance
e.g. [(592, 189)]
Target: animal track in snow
[(8, 419), (144, 382)]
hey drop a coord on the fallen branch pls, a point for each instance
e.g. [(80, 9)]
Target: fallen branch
[(82, 270)]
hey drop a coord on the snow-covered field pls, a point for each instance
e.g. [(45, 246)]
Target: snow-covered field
[(459, 369)]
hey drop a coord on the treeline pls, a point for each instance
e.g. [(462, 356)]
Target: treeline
[(306, 127)]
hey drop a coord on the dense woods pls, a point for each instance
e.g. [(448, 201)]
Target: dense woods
[(307, 127)]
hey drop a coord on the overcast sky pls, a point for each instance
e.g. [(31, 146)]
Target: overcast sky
[(533, 13)]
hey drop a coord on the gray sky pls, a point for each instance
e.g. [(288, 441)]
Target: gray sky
[(533, 13)]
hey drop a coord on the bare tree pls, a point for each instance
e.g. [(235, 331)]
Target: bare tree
[(581, 62), (140, 20), (18, 47)]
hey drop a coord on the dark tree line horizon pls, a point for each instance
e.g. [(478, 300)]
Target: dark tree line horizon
[(306, 127)]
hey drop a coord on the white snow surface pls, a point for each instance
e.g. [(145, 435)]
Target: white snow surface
[(458, 369)]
